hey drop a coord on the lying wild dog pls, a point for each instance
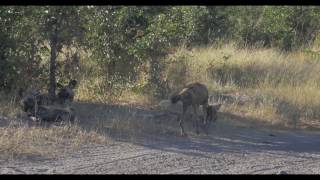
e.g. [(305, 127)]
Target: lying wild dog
[(195, 94), (40, 106), (66, 93), (56, 113), (31, 101)]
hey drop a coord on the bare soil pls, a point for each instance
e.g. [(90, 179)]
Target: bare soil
[(146, 141)]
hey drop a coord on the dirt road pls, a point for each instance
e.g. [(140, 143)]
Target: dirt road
[(228, 149)]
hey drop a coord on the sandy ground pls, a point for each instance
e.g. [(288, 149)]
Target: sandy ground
[(230, 148)]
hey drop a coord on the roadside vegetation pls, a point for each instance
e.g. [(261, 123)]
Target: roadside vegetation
[(126, 55)]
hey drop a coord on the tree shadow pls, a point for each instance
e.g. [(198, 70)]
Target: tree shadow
[(159, 130), (231, 133), (226, 137)]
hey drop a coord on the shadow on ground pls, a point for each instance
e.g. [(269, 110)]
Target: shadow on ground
[(159, 130)]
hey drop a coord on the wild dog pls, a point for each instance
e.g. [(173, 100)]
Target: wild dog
[(195, 95), (66, 93), (41, 107), (30, 102), (56, 113)]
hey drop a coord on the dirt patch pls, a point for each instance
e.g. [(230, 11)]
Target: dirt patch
[(148, 142)]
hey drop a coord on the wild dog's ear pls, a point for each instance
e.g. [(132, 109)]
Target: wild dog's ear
[(216, 107), (72, 83), (59, 85)]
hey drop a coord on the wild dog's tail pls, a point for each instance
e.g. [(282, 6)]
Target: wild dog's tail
[(175, 98)]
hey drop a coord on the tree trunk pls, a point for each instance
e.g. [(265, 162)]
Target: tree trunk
[(52, 73)]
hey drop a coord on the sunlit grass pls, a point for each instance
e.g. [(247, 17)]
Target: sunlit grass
[(285, 88), (288, 81)]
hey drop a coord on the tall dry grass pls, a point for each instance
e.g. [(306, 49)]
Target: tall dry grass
[(287, 85), (21, 137), (93, 88), (285, 88), (24, 141)]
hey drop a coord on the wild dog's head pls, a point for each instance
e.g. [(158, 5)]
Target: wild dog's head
[(66, 93), (212, 112), (29, 100)]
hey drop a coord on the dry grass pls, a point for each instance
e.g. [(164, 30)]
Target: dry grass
[(287, 84), (22, 141), (8, 106), (24, 138)]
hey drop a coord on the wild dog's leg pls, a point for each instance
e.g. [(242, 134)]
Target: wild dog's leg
[(195, 109), (204, 109), (184, 108), (207, 122)]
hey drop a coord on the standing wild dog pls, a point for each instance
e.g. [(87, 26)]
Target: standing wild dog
[(195, 94), (66, 93)]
